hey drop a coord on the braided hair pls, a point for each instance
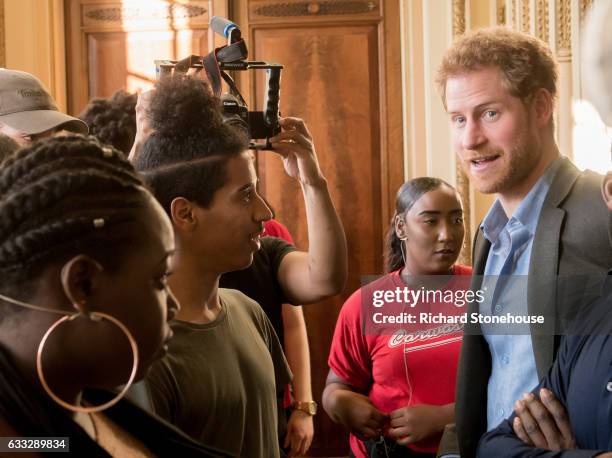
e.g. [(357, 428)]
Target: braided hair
[(113, 121), (187, 152), (61, 197), (407, 195)]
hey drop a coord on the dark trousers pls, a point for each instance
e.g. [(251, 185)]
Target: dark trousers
[(390, 449)]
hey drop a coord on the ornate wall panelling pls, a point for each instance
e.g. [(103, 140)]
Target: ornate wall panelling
[(462, 182), (342, 61), (112, 44), (558, 22)]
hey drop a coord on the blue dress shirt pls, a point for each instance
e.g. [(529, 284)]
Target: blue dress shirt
[(513, 367)]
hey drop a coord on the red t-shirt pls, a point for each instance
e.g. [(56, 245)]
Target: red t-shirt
[(275, 229), (396, 367)]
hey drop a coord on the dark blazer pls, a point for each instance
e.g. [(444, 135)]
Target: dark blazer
[(571, 240)]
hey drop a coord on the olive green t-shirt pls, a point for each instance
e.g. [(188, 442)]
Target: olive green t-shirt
[(219, 380)]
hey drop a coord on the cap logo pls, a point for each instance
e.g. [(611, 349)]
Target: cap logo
[(31, 93)]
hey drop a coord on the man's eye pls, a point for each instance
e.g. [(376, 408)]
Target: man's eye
[(459, 220), (459, 120), (429, 222), (490, 114)]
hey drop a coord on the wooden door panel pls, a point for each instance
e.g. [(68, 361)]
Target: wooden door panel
[(126, 59), (331, 81), (112, 44)]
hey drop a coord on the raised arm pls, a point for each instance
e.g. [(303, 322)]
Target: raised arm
[(307, 277)]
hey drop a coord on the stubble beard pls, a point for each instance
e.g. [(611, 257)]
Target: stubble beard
[(520, 161)]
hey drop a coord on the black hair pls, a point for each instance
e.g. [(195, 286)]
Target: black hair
[(7, 146), (61, 197), (407, 195), (187, 152), (113, 121)]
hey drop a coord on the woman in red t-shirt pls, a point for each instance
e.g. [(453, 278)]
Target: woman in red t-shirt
[(393, 385)]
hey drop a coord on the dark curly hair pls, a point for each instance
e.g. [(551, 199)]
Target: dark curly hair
[(113, 121), (407, 195), (187, 152), (7, 146), (50, 195)]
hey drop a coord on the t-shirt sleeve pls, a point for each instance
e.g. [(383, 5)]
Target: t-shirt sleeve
[(276, 250), (282, 372), (349, 356), (162, 390)]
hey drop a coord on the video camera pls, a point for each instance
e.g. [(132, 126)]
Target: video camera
[(232, 57)]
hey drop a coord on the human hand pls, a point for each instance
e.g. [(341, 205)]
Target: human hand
[(358, 414), (143, 127), (300, 431), (415, 423), (295, 145), (543, 423)]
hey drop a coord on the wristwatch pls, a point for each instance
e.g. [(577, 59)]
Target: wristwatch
[(310, 407)]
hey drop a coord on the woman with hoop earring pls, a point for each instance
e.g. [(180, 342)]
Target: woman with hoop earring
[(393, 387), (84, 306)]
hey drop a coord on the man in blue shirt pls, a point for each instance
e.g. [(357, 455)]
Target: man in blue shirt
[(570, 412), (499, 89)]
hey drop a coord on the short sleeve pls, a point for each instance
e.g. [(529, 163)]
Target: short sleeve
[(349, 356), (162, 390)]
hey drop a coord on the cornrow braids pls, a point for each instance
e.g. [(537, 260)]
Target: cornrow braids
[(61, 197)]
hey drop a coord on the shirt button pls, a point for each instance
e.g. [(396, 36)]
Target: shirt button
[(498, 308), (501, 412), (609, 386), (505, 359)]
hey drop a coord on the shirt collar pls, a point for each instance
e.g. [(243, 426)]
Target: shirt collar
[(528, 211)]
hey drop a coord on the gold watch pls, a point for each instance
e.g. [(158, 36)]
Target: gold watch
[(310, 407)]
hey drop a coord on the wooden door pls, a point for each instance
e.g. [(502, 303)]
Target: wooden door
[(342, 75), (112, 44)]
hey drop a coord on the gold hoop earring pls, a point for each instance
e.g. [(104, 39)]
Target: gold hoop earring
[(94, 316)]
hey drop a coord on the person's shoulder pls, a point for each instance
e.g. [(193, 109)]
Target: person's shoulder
[(277, 229), (237, 302), (460, 269), (271, 244), (235, 298)]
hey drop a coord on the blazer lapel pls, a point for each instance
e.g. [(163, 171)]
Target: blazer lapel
[(544, 264)]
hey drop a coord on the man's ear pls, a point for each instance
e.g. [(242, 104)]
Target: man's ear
[(543, 106), (182, 214), (606, 190), (79, 276)]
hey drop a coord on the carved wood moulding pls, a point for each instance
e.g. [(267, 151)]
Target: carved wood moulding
[(525, 16), (501, 12), (116, 14), (304, 9), (458, 17), (585, 5), (564, 26), (542, 24), (463, 184)]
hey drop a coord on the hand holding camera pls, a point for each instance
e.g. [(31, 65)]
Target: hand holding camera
[(294, 143)]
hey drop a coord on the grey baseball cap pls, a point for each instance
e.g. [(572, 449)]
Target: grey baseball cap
[(25, 105)]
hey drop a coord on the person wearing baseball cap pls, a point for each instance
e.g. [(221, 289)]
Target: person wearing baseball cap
[(28, 112)]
